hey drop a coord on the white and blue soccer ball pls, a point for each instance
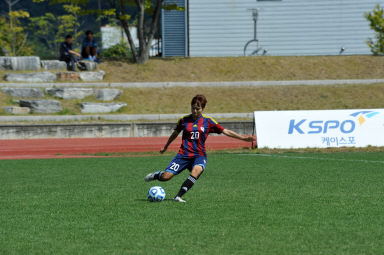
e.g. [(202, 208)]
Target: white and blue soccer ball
[(156, 194)]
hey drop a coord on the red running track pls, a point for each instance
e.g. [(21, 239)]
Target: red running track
[(77, 147)]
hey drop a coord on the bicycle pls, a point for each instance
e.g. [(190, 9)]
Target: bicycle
[(252, 47)]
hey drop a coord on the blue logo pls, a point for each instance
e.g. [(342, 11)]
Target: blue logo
[(347, 126), (320, 126)]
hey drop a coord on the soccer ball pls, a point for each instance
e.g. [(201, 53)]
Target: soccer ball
[(156, 194)]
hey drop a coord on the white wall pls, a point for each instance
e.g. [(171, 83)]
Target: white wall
[(111, 36), (286, 27)]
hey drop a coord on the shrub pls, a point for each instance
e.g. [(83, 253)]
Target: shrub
[(376, 22), (120, 50)]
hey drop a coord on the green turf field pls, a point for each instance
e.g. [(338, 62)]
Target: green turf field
[(291, 203)]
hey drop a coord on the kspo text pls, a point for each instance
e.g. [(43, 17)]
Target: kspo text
[(320, 126)]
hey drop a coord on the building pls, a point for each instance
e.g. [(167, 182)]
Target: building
[(284, 27), (112, 35)]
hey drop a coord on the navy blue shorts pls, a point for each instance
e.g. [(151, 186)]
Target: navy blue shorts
[(180, 163)]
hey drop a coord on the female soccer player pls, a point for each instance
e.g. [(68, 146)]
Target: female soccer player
[(192, 155)]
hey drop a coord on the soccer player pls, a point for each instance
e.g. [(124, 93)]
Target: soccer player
[(192, 156)]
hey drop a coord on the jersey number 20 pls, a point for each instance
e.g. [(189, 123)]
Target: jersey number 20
[(195, 135)]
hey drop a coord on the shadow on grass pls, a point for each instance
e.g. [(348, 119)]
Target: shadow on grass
[(167, 200)]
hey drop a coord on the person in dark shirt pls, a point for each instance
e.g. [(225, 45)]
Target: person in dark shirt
[(89, 47), (67, 54)]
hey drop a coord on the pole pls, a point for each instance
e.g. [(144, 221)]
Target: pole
[(255, 18)]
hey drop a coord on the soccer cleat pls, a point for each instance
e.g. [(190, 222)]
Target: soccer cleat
[(179, 199), (150, 177)]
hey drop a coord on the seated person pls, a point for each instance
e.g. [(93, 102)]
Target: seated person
[(67, 54), (89, 48)]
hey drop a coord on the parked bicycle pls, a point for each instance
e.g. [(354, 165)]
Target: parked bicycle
[(252, 47)]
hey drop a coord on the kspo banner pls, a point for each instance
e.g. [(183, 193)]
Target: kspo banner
[(320, 129)]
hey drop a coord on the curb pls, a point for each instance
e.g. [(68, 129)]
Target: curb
[(115, 117), (199, 84)]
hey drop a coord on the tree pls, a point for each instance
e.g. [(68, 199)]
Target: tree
[(69, 23), (146, 20), (45, 33), (145, 37), (15, 38), (49, 29), (4, 37), (376, 22)]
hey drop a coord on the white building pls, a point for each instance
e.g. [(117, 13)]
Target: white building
[(112, 35), (284, 27)]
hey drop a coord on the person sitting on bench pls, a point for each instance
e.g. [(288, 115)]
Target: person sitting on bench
[(89, 48), (68, 55)]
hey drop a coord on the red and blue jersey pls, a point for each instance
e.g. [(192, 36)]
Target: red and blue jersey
[(195, 134)]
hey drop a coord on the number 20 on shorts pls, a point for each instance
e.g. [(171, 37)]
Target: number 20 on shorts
[(174, 166)]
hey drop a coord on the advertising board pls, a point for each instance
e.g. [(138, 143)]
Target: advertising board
[(320, 128)]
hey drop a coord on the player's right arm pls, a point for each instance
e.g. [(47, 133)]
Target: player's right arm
[(176, 132), (170, 140)]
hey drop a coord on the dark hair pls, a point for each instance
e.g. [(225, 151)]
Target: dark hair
[(88, 32), (68, 36), (200, 100)]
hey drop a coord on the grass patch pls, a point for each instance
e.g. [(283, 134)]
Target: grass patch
[(66, 112), (312, 204), (246, 69), (243, 99), (242, 69), (221, 100), (250, 151)]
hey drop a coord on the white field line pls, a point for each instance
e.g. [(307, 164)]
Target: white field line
[(315, 158)]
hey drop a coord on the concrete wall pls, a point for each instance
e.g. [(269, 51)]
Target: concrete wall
[(104, 130), (285, 27)]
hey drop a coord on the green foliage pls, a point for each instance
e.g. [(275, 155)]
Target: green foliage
[(19, 14), (67, 112), (4, 38), (376, 22), (13, 37), (170, 7), (116, 12), (46, 31), (50, 30), (118, 51), (69, 23), (64, 1), (120, 12)]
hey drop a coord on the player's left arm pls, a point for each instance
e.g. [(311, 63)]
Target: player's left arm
[(233, 134)]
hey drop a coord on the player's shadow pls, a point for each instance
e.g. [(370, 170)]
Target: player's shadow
[(167, 200), (141, 200)]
